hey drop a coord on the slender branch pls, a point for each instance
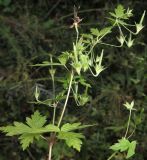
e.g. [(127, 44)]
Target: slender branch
[(82, 11), (54, 6), (30, 154), (128, 124), (53, 87), (67, 97), (55, 106), (132, 132), (112, 155)]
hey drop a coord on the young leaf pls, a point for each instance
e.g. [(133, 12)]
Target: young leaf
[(131, 150), (78, 67), (84, 61), (63, 58), (122, 145), (105, 31), (83, 99), (95, 31), (119, 11), (125, 145), (129, 106)]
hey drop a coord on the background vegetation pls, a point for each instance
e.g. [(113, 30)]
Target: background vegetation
[(30, 30)]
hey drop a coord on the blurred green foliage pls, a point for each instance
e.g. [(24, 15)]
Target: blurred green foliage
[(29, 32)]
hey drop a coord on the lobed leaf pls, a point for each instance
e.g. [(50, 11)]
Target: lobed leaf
[(72, 139)]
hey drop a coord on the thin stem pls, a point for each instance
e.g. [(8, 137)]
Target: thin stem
[(132, 132), (99, 40), (107, 44), (54, 114), (55, 106), (67, 97), (134, 33), (112, 155), (82, 11), (53, 87), (77, 31), (128, 124), (50, 151)]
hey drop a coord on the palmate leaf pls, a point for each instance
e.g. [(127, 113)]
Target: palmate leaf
[(16, 129), (35, 126), (72, 139), (74, 126), (36, 120), (63, 58), (125, 145), (26, 139), (119, 11), (122, 145), (33, 129), (70, 127), (95, 31), (131, 150)]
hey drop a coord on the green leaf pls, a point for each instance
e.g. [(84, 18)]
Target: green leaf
[(84, 59), (88, 36), (72, 139), (125, 145), (52, 128), (18, 128), (27, 139), (119, 11), (105, 31), (112, 14), (122, 145), (70, 127), (74, 126), (95, 31), (36, 120), (78, 67), (83, 99), (63, 58), (131, 151), (33, 130)]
